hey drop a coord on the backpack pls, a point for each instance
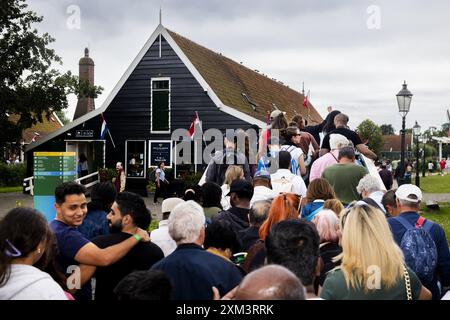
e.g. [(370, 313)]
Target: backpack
[(283, 185), (419, 248)]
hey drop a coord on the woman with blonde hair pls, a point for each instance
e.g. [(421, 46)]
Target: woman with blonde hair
[(373, 266), (233, 172), (319, 190)]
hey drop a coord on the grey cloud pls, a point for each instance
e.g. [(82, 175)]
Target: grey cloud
[(324, 43)]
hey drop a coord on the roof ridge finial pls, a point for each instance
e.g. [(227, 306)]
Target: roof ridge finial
[(160, 14)]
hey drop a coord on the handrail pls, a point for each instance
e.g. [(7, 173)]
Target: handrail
[(87, 177), (30, 186)]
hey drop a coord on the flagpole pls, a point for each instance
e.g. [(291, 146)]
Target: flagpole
[(111, 138)]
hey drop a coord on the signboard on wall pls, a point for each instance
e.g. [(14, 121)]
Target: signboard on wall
[(50, 170), (160, 151)]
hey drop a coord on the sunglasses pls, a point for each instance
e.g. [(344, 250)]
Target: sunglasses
[(354, 204)]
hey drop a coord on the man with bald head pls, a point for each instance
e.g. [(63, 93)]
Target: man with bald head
[(271, 282), (341, 121)]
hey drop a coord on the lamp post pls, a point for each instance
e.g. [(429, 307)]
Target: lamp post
[(416, 132), (404, 98), (424, 141)]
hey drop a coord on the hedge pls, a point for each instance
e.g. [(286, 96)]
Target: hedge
[(12, 175)]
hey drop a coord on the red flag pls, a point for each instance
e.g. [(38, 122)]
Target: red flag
[(305, 101), (192, 128)]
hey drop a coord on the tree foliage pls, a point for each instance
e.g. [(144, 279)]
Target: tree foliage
[(30, 87), (387, 129), (371, 135)]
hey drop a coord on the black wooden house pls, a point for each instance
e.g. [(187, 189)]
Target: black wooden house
[(169, 80)]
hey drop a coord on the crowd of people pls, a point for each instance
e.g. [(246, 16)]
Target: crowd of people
[(300, 218)]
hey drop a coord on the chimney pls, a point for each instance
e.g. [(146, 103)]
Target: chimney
[(86, 72)]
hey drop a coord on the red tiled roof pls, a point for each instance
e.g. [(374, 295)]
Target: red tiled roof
[(43, 128), (394, 142), (230, 80)]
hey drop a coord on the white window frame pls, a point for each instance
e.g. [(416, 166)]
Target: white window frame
[(145, 159), (150, 152), (151, 104)]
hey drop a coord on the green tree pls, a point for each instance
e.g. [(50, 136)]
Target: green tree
[(371, 135), (387, 129), (29, 86), (62, 116)]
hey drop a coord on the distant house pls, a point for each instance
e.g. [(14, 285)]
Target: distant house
[(38, 131), (393, 145), (170, 79)]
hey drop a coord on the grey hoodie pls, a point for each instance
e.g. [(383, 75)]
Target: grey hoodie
[(29, 283)]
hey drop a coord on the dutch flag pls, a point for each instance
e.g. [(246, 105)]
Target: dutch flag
[(104, 129)]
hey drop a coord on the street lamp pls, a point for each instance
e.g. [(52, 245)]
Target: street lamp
[(416, 132), (424, 141), (404, 98)]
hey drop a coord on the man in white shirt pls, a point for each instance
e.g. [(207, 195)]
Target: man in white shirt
[(161, 236), (262, 187), (284, 180)]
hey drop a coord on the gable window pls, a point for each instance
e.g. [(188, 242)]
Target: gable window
[(160, 105)]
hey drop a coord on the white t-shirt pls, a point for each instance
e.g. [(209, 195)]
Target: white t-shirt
[(225, 201), (298, 185), (162, 238)]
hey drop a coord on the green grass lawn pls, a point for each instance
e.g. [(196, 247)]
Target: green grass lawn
[(442, 217), (435, 184), (11, 189)]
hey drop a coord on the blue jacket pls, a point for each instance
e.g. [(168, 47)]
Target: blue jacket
[(438, 235), (311, 209), (193, 272)]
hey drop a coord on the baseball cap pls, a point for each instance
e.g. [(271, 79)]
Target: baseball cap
[(241, 187), (169, 204), (276, 113), (262, 174), (405, 191)]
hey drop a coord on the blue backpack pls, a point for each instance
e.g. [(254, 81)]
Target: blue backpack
[(419, 248)]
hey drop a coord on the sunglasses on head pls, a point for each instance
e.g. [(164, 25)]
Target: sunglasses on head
[(354, 204)]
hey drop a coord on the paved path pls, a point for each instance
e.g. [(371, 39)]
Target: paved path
[(11, 200)]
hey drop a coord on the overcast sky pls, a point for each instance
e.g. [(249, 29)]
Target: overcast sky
[(351, 54)]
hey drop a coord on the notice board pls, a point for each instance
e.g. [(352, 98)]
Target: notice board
[(50, 170)]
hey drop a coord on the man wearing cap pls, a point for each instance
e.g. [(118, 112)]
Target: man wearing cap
[(161, 236), (337, 141), (408, 198), (241, 192), (262, 187)]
